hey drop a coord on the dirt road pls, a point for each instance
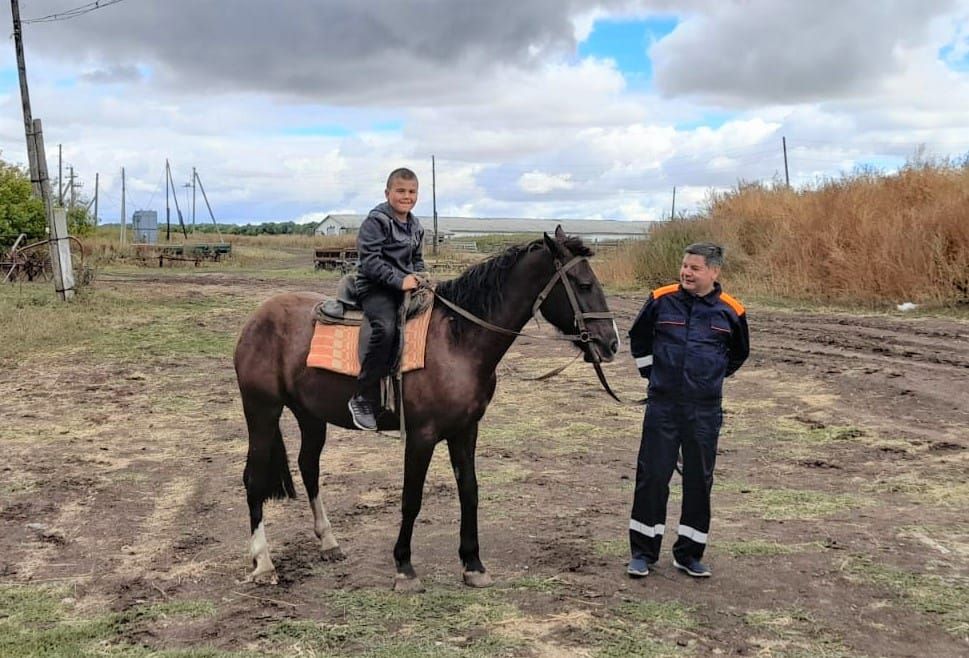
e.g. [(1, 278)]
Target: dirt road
[(839, 509)]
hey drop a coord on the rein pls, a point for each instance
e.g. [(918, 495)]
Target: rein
[(581, 316)]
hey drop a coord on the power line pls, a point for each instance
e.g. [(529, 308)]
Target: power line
[(73, 13)]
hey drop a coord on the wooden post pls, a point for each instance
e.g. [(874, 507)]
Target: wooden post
[(25, 100), (673, 207), (60, 244)]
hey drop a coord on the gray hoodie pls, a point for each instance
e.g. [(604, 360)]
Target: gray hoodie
[(389, 249)]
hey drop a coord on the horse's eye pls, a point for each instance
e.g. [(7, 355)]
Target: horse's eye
[(585, 285)]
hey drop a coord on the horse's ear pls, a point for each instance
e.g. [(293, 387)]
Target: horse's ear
[(559, 233), (553, 245)]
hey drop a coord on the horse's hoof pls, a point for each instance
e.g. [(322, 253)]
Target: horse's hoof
[(334, 554), (408, 584), (478, 579), (263, 578)]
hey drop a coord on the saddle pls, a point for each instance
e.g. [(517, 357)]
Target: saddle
[(344, 309), (341, 337)]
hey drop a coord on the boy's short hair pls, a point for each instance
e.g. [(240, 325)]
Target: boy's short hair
[(401, 172), (712, 253)]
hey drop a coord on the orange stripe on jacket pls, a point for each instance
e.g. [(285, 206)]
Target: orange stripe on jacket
[(665, 290), (733, 303)]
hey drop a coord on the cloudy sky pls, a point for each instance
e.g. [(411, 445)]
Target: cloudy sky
[(291, 109)]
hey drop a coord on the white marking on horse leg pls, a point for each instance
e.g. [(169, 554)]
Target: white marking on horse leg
[(321, 524), (259, 552)]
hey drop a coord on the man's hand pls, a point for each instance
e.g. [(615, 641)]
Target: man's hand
[(410, 283)]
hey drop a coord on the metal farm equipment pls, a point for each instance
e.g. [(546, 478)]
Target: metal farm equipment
[(31, 262)]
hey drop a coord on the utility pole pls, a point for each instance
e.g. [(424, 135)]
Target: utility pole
[(71, 186), (168, 210), (673, 207), (193, 199), (175, 196), (25, 100), (122, 207), (60, 175), (59, 241), (434, 202), (95, 198), (206, 198), (787, 177)]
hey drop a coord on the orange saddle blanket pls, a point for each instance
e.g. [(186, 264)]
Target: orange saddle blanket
[(335, 346)]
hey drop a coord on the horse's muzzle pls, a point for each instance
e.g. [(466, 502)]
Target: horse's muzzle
[(599, 351)]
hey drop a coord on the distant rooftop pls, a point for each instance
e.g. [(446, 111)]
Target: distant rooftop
[(513, 225)]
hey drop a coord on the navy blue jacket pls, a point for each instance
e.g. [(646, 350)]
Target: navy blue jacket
[(389, 249), (686, 345)]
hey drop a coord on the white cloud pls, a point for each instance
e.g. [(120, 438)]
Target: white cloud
[(304, 107), (538, 182)]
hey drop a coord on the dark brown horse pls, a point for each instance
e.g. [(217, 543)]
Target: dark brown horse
[(443, 401)]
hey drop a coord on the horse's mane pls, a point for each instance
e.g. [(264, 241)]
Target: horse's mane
[(479, 289)]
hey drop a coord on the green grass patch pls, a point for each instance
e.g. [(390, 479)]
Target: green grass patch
[(925, 487), (540, 584), (763, 548), (117, 325), (794, 634), (618, 548), (784, 504), (440, 622), (945, 598), (35, 622), (640, 628), (666, 615)]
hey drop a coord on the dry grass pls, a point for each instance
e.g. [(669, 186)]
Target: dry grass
[(861, 239)]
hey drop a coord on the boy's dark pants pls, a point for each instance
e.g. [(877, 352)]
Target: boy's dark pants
[(668, 426), (380, 306)]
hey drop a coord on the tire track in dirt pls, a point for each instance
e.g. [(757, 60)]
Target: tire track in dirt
[(902, 376)]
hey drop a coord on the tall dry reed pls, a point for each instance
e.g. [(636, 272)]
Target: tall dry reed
[(864, 238)]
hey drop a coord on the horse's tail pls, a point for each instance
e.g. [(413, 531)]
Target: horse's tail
[(269, 478)]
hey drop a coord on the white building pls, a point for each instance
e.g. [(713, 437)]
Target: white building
[(468, 227)]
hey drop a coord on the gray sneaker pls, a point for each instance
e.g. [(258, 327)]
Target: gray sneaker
[(361, 411), (638, 567), (693, 567)]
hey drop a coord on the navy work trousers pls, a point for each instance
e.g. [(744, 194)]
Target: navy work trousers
[(380, 308), (669, 426)]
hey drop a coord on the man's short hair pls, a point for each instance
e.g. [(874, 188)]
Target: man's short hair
[(403, 173), (712, 253)]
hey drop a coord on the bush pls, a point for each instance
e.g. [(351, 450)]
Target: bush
[(20, 212), (865, 238)]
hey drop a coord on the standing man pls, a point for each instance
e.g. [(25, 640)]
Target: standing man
[(687, 338), (389, 244)]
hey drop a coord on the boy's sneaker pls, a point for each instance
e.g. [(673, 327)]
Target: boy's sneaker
[(361, 411), (638, 567), (693, 567)]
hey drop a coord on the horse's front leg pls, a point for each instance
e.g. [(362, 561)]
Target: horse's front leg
[(417, 457), (461, 448)]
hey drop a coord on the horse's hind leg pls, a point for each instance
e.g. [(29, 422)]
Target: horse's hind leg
[(461, 448), (266, 476), (313, 431)]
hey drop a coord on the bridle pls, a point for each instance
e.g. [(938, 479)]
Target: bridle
[(583, 335)]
